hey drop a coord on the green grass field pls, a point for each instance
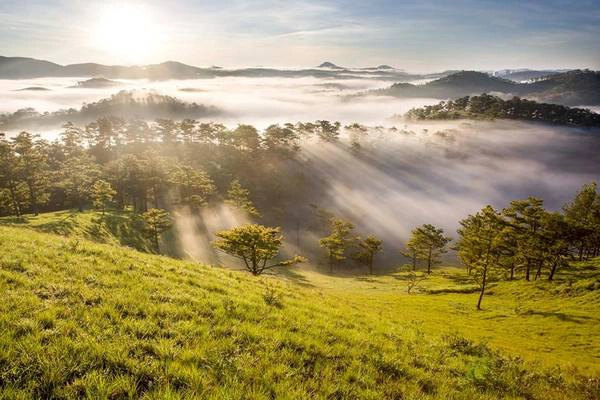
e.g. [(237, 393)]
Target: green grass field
[(81, 319)]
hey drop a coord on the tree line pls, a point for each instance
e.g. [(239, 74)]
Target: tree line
[(149, 165), (490, 107), (523, 240), (153, 168)]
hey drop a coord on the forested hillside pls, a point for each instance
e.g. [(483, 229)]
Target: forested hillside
[(491, 107)]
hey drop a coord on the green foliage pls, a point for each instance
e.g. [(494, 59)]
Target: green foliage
[(157, 221), (195, 186), (101, 321), (583, 216), (481, 244), (490, 107), (78, 174), (102, 195), (255, 245), (369, 246), (239, 197), (338, 241), (427, 243)]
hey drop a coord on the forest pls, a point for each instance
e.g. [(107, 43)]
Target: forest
[(487, 106), (153, 170)]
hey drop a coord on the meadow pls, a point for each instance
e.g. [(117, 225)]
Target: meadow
[(82, 319)]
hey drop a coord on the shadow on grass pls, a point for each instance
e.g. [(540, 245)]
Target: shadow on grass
[(461, 279), (13, 220), (292, 275), (578, 319), (126, 228), (63, 226)]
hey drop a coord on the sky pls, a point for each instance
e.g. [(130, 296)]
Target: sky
[(418, 36)]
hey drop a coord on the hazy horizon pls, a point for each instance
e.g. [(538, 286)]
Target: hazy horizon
[(418, 37)]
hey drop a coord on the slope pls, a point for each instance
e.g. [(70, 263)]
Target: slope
[(80, 319)]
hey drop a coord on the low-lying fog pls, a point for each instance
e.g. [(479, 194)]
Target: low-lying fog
[(257, 101), (434, 173), (421, 173)]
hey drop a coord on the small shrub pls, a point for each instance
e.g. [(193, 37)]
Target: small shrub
[(273, 297), (465, 346)]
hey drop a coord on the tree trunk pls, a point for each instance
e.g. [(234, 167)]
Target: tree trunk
[(528, 267), (414, 260), (33, 199), (156, 196), (539, 270), (429, 261), (371, 265), (156, 243), (512, 271), (483, 282), (15, 200), (553, 270)]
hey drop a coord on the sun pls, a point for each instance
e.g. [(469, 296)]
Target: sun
[(126, 32)]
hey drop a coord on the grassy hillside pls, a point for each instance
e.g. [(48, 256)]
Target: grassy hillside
[(118, 228), (81, 319)]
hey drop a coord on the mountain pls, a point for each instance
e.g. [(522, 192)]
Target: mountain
[(26, 68), (459, 84), (22, 67), (572, 88), (329, 65)]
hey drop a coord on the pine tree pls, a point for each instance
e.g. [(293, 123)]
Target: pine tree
[(369, 247), (102, 194), (337, 242), (157, 221), (239, 197), (255, 245), (428, 242)]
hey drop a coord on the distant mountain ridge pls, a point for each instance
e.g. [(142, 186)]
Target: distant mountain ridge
[(28, 68), (573, 88)]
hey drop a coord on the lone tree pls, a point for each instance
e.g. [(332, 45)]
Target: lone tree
[(102, 194), (337, 242), (368, 248), (255, 245), (481, 244), (157, 221), (429, 242)]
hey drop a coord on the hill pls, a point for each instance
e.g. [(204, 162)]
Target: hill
[(573, 88), (33, 89), (569, 88), (521, 75), (458, 84), (25, 68), (84, 319), (124, 104), (95, 83), (492, 107), (329, 65)]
